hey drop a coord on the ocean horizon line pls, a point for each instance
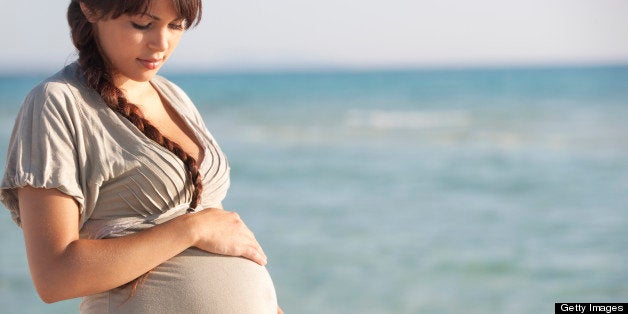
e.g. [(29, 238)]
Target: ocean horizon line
[(177, 69), (316, 70)]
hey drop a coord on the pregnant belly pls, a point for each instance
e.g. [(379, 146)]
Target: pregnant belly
[(196, 282)]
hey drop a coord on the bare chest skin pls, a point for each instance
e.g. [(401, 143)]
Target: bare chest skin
[(156, 110)]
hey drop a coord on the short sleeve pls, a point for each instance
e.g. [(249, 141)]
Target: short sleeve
[(42, 149)]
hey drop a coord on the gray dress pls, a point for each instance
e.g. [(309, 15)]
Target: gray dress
[(66, 138)]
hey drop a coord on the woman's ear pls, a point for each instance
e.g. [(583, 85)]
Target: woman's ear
[(91, 17)]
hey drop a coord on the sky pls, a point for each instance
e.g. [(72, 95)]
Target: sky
[(285, 34)]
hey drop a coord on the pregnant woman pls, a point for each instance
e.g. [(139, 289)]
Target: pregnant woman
[(118, 185)]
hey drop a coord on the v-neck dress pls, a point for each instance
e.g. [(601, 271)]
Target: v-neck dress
[(65, 137)]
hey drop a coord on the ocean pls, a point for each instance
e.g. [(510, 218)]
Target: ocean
[(496, 190)]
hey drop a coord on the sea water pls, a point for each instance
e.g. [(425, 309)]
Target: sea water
[(414, 191)]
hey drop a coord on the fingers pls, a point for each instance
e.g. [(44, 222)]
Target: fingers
[(229, 235), (256, 255)]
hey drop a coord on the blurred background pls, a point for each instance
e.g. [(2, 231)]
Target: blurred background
[(395, 157)]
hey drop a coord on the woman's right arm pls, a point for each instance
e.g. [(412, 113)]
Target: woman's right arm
[(63, 266)]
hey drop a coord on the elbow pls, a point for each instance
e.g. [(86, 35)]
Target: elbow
[(47, 295), (50, 293), (47, 298), (54, 283)]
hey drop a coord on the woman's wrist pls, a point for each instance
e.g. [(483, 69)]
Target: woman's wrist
[(188, 227)]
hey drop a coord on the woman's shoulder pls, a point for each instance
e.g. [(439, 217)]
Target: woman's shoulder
[(58, 89)]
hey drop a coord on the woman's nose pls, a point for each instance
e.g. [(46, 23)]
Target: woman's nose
[(159, 40)]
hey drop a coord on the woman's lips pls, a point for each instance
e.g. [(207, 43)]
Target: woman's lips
[(151, 64)]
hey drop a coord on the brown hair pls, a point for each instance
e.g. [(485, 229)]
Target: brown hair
[(99, 74)]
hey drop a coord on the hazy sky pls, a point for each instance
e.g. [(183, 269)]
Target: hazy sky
[(353, 33)]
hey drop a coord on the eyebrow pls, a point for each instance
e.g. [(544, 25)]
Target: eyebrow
[(157, 18)]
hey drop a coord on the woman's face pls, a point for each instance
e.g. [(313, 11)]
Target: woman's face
[(138, 45)]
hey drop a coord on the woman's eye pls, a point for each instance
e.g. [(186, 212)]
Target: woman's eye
[(141, 26), (177, 27)]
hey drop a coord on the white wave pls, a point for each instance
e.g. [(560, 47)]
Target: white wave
[(407, 119)]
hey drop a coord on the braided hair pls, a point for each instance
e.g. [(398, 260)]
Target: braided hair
[(99, 75)]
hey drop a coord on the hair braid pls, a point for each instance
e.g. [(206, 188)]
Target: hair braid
[(134, 114), (98, 76)]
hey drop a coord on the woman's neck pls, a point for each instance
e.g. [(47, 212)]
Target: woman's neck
[(135, 91)]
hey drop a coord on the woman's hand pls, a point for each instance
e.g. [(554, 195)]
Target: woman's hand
[(222, 232)]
